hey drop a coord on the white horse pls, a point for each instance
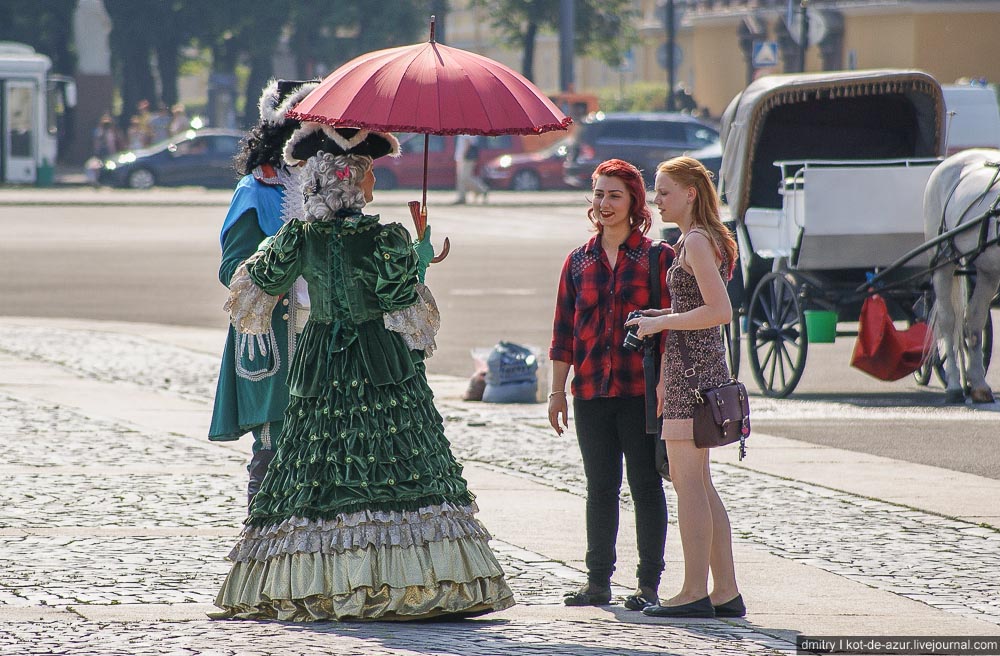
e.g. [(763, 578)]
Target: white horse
[(964, 187)]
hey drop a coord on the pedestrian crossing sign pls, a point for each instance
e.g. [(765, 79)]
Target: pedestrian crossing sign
[(765, 54)]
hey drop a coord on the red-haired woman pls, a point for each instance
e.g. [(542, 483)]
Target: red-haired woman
[(706, 254), (601, 283)]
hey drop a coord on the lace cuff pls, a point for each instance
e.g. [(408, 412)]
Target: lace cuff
[(249, 306), (417, 323)]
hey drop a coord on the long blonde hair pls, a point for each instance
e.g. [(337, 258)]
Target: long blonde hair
[(689, 172)]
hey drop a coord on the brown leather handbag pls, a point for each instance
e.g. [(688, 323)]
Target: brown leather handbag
[(722, 413)]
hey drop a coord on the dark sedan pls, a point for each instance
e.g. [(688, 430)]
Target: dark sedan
[(202, 157)]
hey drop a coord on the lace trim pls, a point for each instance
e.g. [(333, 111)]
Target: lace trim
[(358, 530), (249, 306), (292, 201), (418, 323)]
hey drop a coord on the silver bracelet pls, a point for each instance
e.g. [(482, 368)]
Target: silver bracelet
[(551, 394)]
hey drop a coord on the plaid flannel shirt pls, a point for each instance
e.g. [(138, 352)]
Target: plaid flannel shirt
[(591, 309)]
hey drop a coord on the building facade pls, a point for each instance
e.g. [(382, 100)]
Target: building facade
[(720, 45)]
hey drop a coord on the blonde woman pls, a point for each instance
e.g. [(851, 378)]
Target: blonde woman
[(706, 253)]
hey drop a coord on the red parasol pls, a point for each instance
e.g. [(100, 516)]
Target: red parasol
[(430, 88)]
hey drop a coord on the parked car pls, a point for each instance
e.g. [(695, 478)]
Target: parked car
[(202, 157), (644, 139), (711, 157), (406, 171), (542, 169)]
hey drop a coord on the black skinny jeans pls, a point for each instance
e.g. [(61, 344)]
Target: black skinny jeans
[(606, 429)]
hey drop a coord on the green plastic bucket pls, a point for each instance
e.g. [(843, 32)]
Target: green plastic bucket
[(821, 326)]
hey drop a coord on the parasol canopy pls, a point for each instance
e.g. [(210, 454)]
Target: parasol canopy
[(430, 88)]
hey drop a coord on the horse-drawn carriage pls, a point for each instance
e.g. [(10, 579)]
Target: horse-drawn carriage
[(824, 175)]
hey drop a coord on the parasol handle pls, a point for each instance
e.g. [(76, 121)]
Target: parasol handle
[(419, 214)]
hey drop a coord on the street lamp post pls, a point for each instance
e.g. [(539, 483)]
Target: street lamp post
[(567, 25), (803, 34), (668, 19)]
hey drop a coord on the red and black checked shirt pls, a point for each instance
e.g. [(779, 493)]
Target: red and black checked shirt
[(591, 310)]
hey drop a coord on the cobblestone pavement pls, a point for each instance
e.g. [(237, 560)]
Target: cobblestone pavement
[(95, 513)]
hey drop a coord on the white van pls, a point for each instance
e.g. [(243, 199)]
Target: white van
[(973, 117)]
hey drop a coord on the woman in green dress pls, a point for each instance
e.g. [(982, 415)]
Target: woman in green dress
[(363, 513)]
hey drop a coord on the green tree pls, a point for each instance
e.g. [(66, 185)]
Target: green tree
[(47, 27), (603, 28)]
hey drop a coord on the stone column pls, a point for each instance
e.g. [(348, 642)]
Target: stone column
[(91, 28)]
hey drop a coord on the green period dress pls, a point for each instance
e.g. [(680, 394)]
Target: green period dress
[(364, 513)]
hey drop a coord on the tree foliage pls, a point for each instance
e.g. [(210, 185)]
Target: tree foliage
[(150, 39), (47, 27), (603, 28)]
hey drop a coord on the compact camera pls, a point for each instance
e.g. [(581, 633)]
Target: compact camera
[(632, 340)]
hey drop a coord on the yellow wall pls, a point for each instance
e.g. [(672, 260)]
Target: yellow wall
[(880, 41), (950, 46), (947, 44), (720, 68)]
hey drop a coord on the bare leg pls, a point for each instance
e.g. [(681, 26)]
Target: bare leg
[(724, 586), (694, 517)]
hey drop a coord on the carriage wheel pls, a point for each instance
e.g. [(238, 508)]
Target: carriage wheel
[(932, 363), (776, 336), (732, 345)]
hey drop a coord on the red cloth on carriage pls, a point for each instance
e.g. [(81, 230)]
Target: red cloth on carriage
[(884, 351)]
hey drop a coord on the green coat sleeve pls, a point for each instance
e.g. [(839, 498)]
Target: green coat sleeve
[(242, 240), (280, 261), (396, 265)]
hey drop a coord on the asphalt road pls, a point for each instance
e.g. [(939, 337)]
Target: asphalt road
[(153, 257)]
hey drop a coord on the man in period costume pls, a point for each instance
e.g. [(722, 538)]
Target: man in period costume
[(252, 392)]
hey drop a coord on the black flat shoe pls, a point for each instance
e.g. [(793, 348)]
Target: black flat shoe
[(588, 596), (641, 600), (732, 608), (700, 608)]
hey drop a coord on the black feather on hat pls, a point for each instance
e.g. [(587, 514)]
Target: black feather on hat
[(312, 138)]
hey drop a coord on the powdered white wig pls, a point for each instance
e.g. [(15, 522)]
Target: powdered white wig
[(331, 183)]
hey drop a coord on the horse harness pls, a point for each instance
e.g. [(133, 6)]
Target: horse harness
[(967, 259)]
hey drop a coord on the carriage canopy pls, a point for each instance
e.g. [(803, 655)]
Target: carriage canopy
[(846, 115)]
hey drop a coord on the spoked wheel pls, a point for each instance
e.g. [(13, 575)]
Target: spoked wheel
[(776, 336), (731, 342), (932, 363)]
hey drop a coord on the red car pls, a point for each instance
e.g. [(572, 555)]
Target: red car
[(541, 169), (406, 171)]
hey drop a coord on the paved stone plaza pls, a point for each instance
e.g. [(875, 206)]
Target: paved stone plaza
[(113, 532)]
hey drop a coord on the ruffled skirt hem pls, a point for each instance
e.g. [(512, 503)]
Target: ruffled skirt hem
[(460, 577)]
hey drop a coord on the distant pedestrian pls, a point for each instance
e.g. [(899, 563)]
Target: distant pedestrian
[(706, 254), (601, 283), (141, 126), (159, 124), (137, 136), (179, 121), (107, 140), (467, 148)]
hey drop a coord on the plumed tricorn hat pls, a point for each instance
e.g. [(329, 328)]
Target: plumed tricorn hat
[(279, 96), (312, 138)]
